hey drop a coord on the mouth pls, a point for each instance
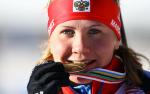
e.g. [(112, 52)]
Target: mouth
[(74, 66)]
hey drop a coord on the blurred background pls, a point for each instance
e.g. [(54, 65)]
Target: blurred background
[(23, 28)]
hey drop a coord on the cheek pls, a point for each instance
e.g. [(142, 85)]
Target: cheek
[(103, 45), (59, 49), (104, 52)]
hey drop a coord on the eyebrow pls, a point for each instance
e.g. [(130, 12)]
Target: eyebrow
[(86, 27)]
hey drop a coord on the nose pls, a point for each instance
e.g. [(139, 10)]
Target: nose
[(80, 45)]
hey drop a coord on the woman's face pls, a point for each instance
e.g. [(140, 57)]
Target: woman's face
[(83, 41)]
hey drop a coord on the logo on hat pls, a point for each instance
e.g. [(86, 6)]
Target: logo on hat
[(115, 25), (81, 6)]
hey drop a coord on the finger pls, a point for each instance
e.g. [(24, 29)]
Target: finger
[(53, 87), (48, 77), (33, 88), (48, 67)]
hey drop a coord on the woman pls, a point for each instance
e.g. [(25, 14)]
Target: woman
[(84, 54)]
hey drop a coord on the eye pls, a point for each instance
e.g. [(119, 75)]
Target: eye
[(94, 31), (68, 32)]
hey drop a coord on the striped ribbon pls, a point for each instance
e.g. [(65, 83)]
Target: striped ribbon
[(102, 75)]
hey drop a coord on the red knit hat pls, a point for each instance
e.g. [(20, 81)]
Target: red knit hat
[(104, 11)]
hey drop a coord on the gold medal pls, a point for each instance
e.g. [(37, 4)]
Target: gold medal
[(74, 67)]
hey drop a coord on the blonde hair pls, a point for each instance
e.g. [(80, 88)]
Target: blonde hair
[(46, 54)]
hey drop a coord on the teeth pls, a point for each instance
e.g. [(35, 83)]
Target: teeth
[(70, 61)]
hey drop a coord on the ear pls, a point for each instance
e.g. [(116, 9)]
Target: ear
[(117, 44)]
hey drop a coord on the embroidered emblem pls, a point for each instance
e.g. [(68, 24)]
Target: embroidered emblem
[(81, 6)]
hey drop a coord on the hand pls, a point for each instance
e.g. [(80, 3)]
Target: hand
[(48, 78)]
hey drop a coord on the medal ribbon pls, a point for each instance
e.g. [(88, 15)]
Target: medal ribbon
[(102, 75)]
